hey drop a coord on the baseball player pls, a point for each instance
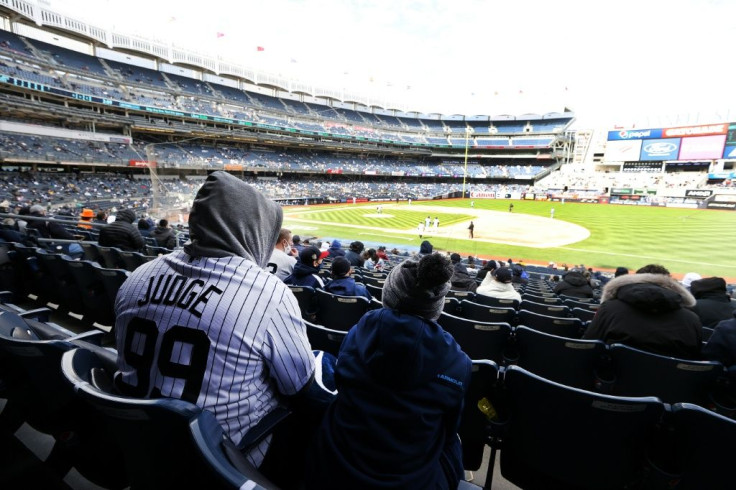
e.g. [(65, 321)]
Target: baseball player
[(208, 324)]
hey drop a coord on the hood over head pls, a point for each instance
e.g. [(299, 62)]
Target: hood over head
[(229, 217), (650, 292), (126, 215), (708, 286), (575, 278), (425, 247)]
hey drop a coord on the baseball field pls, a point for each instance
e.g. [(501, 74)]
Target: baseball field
[(599, 236)]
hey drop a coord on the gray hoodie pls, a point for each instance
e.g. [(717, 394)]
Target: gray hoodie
[(229, 217)]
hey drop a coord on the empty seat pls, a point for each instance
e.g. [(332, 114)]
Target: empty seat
[(323, 338), (339, 312), (479, 340), (572, 362), (482, 299), (544, 308), (673, 380), (562, 326), (561, 437), (483, 313)]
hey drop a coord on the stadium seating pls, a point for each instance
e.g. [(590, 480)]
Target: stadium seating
[(640, 373), (479, 340), (305, 296), (562, 437), (323, 338), (38, 395), (702, 448), (483, 313), (581, 364), (339, 312), (166, 443), (562, 326), (482, 299), (544, 308)]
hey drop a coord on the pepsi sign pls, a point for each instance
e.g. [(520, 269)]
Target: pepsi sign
[(634, 134), (660, 149)]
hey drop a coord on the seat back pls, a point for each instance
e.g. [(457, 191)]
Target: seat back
[(461, 295), (482, 299), (673, 380), (483, 313), (479, 340), (479, 399), (563, 360), (132, 260), (545, 308), (569, 327), (97, 305), (90, 252), (323, 338), (111, 257), (339, 312), (112, 279), (452, 306), (305, 296), (584, 314), (703, 447), (376, 291), (563, 437), (548, 298), (167, 443)]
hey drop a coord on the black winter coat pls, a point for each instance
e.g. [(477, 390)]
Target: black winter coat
[(121, 233), (574, 284)]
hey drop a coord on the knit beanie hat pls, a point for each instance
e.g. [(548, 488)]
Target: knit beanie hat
[(418, 287)]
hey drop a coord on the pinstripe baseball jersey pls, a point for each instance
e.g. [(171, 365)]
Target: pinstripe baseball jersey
[(219, 332)]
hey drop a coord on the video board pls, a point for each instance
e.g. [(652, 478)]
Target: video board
[(707, 141)]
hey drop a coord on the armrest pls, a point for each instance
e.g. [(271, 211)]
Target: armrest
[(265, 427), (38, 314)]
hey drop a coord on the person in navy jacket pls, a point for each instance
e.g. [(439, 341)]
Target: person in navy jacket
[(400, 382)]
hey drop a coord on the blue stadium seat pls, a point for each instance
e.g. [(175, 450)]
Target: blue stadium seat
[(483, 313), (339, 312), (167, 443), (561, 437), (479, 340), (323, 338), (562, 326), (673, 380)]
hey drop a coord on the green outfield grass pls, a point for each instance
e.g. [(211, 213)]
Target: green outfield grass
[(683, 240)]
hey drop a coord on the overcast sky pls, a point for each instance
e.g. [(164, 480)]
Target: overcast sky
[(643, 62)]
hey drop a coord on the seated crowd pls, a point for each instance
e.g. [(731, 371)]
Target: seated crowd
[(386, 411)]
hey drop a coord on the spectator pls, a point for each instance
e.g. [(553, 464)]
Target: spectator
[(85, 218), (297, 243), (721, 346), (401, 380), (283, 257), (335, 249), (425, 248), (620, 271), (688, 278), (488, 266), (121, 233), (498, 285), (574, 284), (306, 271), (144, 228), (9, 234), (518, 273), (49, 229), (648, 311), (164, 235), (461, 280), (381, 252), (342, 284), (712, 304), (242, 348), (354, 254), (100, 218), (372, 261)]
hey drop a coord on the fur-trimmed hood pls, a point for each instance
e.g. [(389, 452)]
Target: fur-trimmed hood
[(637, 289)]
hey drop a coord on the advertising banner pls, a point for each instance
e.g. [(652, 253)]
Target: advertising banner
[(634, 134), (722, 205), (706, 147), (729, 152), (623, 151), (696, 130), (698, 193), (660, 149)]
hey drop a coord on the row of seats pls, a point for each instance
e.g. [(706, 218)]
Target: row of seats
[(549, 435)]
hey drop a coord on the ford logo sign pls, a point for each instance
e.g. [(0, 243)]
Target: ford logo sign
[(660, 148)]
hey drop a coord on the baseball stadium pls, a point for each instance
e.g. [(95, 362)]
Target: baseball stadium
[(220, 270)]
